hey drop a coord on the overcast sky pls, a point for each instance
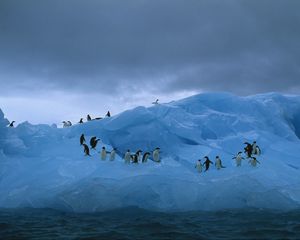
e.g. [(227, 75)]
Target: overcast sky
[(63, 59)]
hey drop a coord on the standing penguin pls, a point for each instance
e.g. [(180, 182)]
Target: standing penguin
[(127, 157), (207, 163), (112, 154), (248, 149), (145, 157), (12, 124), (107, 114), (81, 120), (238, 159), (139, 155), (258, 151), (94, 143), (156, 154), (254, 145), (253, 162), (218, 163), (82, 139), (88, 117), (134, 158), (86, 150), (103, 154), (199, 166)]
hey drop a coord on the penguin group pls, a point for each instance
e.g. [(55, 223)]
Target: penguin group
[(88, 119), (67, 124), (207, 163), (143, 158), (93, 144), (128, 156), (249, 150)]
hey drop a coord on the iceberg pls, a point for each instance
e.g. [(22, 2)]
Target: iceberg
[(44, 166)]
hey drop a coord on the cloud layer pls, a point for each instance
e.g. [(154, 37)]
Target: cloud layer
[(154, 47)]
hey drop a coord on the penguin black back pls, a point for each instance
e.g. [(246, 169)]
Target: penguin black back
[(86, 149), (92, 141), (146, 154), (82, 139), (94, 144)]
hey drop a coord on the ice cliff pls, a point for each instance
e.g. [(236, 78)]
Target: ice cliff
[(44, 166)]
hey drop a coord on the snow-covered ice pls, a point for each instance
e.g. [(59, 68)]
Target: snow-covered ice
[(44, 166)]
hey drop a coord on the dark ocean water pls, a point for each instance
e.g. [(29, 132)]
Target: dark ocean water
[(134, 223)]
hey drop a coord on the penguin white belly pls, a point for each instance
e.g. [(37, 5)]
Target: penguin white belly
[(103, 155), (156, 156), (254, 149), (257, 151), (218, 165), (238, 161), (127, 158), (112, 156), (199, 168)]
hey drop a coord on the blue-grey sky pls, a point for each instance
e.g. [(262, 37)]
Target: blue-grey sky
[(63, 59)]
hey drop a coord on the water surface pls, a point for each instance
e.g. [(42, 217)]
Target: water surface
[(132, 223)]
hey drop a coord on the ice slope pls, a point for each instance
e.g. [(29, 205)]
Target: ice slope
[(44, 166)]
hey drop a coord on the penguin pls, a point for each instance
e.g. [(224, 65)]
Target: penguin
[(86, 150), (66, 124), (254, 145), (98, 118), (198, 166), (12, 124), (258, 151), (81, 120), (218, 163), (94, 143), (103, 154), (156, 154), (127, 157), (253, 162), (88, 117), (156, 102), (248, 149), (134, 158), (107, 114), (139, 155), (112, 154), (207, 162), (145, 157), (82, 139), (238, 159)]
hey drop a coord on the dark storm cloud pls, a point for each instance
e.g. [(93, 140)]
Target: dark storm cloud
[(114, 45)]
